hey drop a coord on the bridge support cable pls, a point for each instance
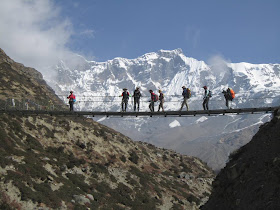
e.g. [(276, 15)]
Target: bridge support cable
[(194, 113)]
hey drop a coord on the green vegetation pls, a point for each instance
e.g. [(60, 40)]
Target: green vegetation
[(142, 191), (154, 166), (123, 158), (133, 157), (191, 198), (185, 168)]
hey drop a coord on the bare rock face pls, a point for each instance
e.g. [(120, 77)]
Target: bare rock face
[(251, 178), (57, 162)]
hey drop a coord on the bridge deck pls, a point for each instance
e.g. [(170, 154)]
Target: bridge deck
[(136, 114)]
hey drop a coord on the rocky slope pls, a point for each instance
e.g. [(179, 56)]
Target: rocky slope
[(22, 83), (75, 163), (251, 178)]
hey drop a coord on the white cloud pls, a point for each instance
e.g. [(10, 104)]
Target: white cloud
[(32, 32), (88, 32), (218, 64)]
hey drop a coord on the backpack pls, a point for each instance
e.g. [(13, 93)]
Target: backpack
[(189, 94), (210, 94), (125, 95), (232, 93), (137, 94), (73, 99), (161, 96), (156, 98)]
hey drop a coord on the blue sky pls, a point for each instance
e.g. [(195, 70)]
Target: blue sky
[(238, 30), (35, 32)]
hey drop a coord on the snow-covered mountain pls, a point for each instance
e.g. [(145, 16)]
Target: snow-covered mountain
[(97, 86)]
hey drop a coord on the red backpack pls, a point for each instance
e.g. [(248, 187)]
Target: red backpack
[(156, 98)]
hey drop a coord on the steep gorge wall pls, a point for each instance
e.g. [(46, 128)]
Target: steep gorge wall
[(251, 178)]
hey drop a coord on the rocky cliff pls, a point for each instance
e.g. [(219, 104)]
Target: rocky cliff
[(251, 178), (59, 162)]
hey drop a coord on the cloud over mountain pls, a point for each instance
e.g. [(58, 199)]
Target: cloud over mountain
[(33, 32)]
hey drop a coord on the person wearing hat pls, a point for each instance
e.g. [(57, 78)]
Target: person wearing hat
[(152, 101), (186, 95), (228, 96), (161, 100), (137, 96), (206, 97), (125, 98), (72, 99)]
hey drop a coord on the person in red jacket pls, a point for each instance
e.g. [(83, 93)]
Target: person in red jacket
[(72, 99)]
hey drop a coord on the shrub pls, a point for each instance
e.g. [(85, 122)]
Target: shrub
[(191, 198), (133, 157), (154, 166), (164, 157), (98, 168), (33, 143), (78, 180), (73, 161), (185, 168), (123, 158)]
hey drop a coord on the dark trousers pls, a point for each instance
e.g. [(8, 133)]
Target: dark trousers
[(228, 103), (124, 104), (71, 103), (161, 105), (136, 102), (152, 106), (205, 103)]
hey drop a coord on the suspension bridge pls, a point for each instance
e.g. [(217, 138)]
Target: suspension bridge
[(28, 107), (136, 114)]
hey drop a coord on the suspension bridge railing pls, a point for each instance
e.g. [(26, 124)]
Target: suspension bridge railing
[(113, 103)]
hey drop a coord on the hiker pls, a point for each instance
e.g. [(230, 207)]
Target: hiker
[(125, 98), (207, 95), (72, 99), (137, 96), (186, 94), (229, 96), (152, 101), (161, 101)]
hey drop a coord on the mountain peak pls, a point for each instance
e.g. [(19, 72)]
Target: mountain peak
[(176, 51), (170, 53)]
